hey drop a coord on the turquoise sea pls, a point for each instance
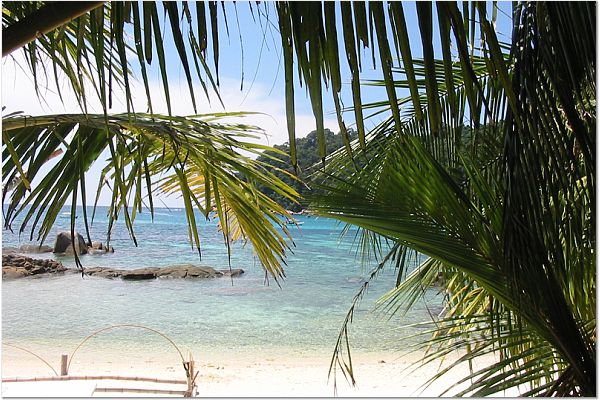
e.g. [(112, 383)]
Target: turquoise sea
[(244, 315)]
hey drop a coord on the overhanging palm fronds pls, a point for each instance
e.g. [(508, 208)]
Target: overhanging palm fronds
[(415, 202), (200, 155), (507, 220), (520, 226), (98, 45)]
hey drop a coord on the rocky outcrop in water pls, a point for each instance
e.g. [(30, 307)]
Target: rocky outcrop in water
[(174, 271), (63, 244), (19, 266)]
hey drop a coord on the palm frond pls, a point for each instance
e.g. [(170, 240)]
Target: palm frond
[(200, 155), (96, 45), (496, 206)]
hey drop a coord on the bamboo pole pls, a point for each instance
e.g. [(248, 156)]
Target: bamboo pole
[(191, 378), (140, 390), (63, 365), (188, 366), (96, 378)]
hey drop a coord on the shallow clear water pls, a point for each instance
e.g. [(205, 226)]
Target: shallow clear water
[(304, 316)]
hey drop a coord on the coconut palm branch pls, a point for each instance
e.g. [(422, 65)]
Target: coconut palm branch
[(508, 233), (198, 156), (417, 203), (96, 46), (95, 40)]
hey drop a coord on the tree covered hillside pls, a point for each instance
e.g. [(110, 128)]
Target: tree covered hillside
[(308, 156)]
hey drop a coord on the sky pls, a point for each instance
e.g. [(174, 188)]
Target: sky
[(263, 84)]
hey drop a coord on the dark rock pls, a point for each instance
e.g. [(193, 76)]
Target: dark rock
[(139, 274), (202, 272), (16, 266), (63, 243), (37, 269), (33, 248)]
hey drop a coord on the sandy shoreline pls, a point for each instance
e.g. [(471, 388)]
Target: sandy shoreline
[(262, 375)]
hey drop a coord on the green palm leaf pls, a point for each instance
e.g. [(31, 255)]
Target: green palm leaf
[(497, 206), (189, 150)]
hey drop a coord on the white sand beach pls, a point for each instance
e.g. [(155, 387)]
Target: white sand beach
[(376, 375)]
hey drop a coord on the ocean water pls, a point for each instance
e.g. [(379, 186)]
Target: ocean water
[(242, 315)]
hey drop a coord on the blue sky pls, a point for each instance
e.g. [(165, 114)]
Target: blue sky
[(263, 84)]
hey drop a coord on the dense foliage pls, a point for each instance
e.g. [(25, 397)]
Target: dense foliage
[(308, 161), (501, 199)]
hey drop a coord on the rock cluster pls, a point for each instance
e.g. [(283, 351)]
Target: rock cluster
[(174, 271), (18, 266), (63, 244)]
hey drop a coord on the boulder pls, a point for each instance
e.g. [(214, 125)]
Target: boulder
[(11, 272), (172, 273), (187, 271), (63, 243), (10, 250), (94, 270), (97, 245), (34, 248), (17, 265)]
